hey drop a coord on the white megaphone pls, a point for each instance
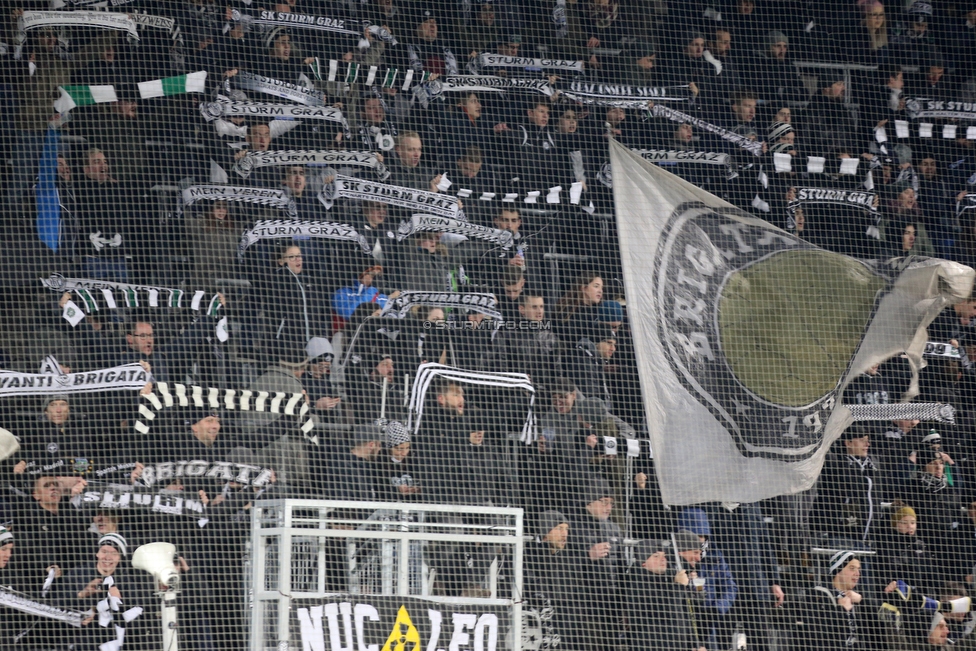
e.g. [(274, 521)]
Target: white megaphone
[(8, 444), (157, 559)]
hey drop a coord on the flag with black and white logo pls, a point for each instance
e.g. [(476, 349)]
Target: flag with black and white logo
[(747, 336)]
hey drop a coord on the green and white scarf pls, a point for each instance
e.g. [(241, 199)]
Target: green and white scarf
[(333, 70), (83, 95), (98, 294)]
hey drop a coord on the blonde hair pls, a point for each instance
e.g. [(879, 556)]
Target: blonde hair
[(879, 38)]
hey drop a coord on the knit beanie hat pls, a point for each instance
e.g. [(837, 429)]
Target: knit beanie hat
[(778, 130), (549, 520), (839, 561), (6, 537), (596, 491), (48, 400), (646, 548), (115, 540), (686, 541), (366, 433), (932, 437), (902, 512), (272, 36), (610, 312)]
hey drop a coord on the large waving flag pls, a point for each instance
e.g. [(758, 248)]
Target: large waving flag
[(746, 336)]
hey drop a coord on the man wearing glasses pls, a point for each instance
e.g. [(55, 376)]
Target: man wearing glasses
[(169, 363)]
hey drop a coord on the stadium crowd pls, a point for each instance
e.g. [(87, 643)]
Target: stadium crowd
[(129, 190)]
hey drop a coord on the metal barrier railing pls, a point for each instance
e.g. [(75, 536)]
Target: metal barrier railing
[(313, 552)]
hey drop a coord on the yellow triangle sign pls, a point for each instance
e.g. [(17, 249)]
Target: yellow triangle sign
[(404, 636)]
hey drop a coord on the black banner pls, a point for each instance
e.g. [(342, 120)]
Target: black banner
[(399, 624), (167, 472), (859, 199), (164, 502), (919, 108)]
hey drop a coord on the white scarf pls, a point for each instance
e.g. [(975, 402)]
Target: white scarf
[(334, 158), (419, 222), (98, 19), (435, 203), (266, 229), (129, 377), (167, 396), (485, 303), (276, 198)]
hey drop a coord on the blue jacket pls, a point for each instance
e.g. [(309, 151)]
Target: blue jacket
[(720, 587), (347, 299)]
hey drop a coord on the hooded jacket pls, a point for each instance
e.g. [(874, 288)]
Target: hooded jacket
[(848, 497), (720, 587), (289, 301), (660, 617), (347, 299)]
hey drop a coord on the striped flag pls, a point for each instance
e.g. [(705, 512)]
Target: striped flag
[(195, 82), (72, 96)]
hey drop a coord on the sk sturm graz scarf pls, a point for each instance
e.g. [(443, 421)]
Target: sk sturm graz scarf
[(167, 503), (168, 396), (269, 229), (660, 111), (97, 19), (129, 377), (10, 598), (261, 196), (292, 92), (858, 199), (920, 107), (226, 108), (624, 96), (329, 157), (395, 195), (850, 198), (487, 60), (667, 156), (56, 4), (305, 21), (479, 302), (445, 225), (476, 83), (427, 373)]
